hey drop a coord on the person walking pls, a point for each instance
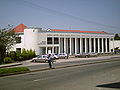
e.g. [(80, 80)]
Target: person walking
[(49, 60)]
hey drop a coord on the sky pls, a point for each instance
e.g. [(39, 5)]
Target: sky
[(85, 15)]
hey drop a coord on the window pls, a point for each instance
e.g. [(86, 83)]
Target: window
[(18, 50), (18, 39), (56, 41), (49, 40)]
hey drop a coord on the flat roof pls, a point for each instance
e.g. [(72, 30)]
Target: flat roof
[(78, 31)]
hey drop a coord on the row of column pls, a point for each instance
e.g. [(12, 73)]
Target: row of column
[(80, 45)]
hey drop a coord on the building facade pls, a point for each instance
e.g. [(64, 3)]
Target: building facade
[(65, 41)]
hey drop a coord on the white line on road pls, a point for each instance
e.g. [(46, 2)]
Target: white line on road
[(43, 79)]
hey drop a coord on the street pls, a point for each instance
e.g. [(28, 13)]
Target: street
[(100, 76)]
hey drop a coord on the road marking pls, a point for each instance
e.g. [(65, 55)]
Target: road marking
[(43, 79), (36, 80)]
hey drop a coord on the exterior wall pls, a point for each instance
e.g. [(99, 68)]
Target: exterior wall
[(72, 43), (115, 44), (19, 45), (31, 39)]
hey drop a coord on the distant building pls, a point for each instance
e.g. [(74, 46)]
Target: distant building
[(60, 41)]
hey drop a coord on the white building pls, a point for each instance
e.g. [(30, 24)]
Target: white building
[(60, 41)]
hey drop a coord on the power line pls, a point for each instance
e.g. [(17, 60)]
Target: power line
[(33, 5)]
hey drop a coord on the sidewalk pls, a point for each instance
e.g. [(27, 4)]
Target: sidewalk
[(59, 63)]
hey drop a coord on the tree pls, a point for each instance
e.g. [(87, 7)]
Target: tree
[(7, 40), (117, 37)]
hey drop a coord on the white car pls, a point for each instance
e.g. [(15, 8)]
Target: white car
[(63, 55), (82, 55), (41, 58), (54, 56), (92, 54)]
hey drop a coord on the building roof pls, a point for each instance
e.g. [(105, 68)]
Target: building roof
[(78, 31), (20, 28)]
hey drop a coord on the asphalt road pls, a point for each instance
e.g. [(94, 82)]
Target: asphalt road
[(102, 76)]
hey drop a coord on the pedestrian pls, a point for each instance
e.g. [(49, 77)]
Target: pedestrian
[(49, 60)]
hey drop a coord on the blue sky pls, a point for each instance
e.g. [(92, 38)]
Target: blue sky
[(88, 15)]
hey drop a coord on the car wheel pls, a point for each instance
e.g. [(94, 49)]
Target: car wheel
[(86, 56)]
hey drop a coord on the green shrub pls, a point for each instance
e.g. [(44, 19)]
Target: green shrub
[(27, 54), (13, 70), (8, 60)]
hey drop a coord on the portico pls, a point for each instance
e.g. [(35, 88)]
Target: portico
[(74, 43)]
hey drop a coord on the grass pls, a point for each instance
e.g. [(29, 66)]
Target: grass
[(13, 70)]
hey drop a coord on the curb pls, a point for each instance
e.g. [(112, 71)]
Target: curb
[(4, 66), (66, 66)]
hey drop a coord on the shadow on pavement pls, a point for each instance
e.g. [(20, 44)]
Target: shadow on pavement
[(110, 85)]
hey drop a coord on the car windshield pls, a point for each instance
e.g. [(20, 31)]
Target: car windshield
[(39, 56), (44, 56)]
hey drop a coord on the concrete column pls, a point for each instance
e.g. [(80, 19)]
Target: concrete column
[(52, 49), (106, 45), (102, 46), (98, 45), (75, 45), (70, 46), (109, 46), (113, 46), (94, 45), (81, 45), (64, 45), (90, 46), (85, 45), (52, 40)]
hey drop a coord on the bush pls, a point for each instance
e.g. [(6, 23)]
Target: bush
[(12, 55), (8, 60), (27, 54), (20, 56)]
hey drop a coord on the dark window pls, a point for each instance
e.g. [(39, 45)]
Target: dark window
[(56, 41), (18, 39), (104, 48), (92, 42), (18, 50), (96, 44), (100, 44), (87, 45), (49, 40), (83, 44), (108, 44)]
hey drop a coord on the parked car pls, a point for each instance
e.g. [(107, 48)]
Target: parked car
[(41, 58), (77, 55), (63, 55), (82, 55), (92, 54), (54, 56)]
